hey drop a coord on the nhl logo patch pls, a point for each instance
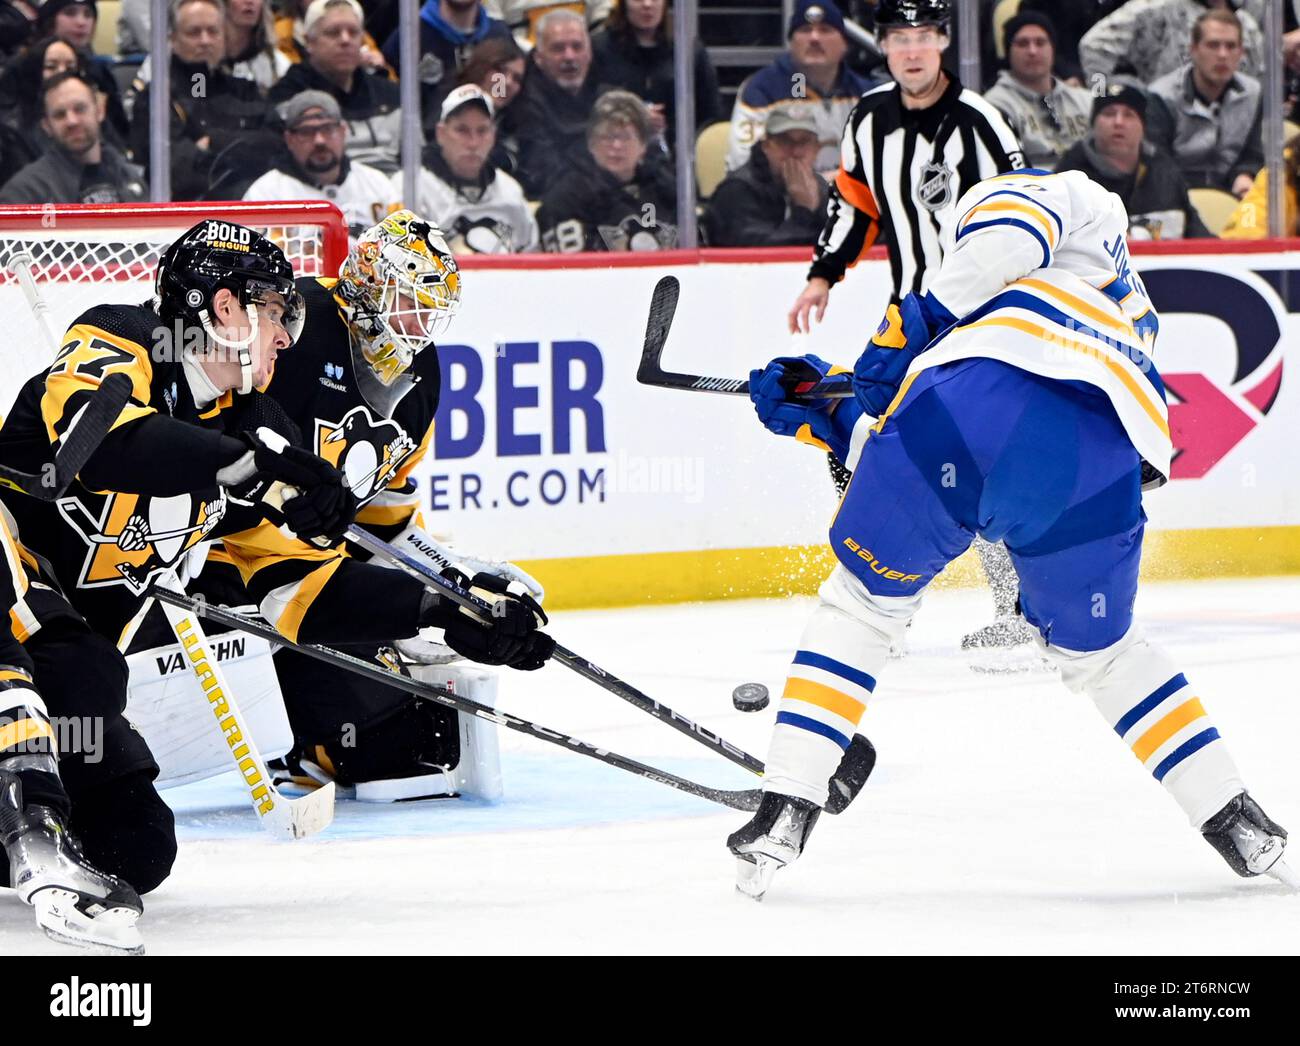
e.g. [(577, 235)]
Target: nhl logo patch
[(934, 186)]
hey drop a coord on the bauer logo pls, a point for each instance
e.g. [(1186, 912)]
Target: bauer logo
[(92, 999)]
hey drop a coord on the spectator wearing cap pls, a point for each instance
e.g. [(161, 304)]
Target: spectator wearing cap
[(556, 102), (612, 199), (813, 71), (70, 20), (1146, 39), (370, 102), (449, 31), (1047, 114), (317, 166), (1072, 21), (777, 199), (497, 69), (1208, 114), (1114, 155), (219, 140), (78, 166), (478, 207), (634, 51)]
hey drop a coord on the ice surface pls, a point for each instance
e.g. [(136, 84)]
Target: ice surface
[(1003, 816)]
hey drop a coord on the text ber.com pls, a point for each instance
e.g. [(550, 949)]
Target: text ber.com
[(543, 407)]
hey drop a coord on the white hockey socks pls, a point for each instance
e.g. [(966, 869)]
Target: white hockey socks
[(841, 653), (1152, 707)]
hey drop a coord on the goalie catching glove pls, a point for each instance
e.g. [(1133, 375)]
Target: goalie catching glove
[(510, 636), (321, 504)]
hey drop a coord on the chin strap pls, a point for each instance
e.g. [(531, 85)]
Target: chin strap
[(241, 346)]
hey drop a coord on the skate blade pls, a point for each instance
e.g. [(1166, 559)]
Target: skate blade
[(1285, 874), (753, 877), (113, 931)]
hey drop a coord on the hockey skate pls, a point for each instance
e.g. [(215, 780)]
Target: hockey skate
[(773, 838), (75, 903), (1249, 841)]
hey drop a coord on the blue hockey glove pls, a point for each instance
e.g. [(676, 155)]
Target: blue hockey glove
[(904, 332), (808, 421)]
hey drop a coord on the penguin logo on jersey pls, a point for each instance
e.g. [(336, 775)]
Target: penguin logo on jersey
[(367, 450), (137, 537), (934, 186)]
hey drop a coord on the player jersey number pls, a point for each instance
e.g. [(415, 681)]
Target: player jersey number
[(99, 357)]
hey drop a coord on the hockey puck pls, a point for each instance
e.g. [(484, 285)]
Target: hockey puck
[(750, 697)]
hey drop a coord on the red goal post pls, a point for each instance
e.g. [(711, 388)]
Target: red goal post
[(82, 255)]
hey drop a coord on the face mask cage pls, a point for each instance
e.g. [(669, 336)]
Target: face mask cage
[(295, 309)]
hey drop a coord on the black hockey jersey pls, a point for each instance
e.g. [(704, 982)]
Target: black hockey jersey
[(326, 595), (149, 492)]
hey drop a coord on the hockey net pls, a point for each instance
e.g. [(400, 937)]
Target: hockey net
[(82, 255)]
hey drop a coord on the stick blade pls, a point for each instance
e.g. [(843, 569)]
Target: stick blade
[(663, 305), (855, 767)]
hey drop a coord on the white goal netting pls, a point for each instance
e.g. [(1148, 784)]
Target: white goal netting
[(81, 257)]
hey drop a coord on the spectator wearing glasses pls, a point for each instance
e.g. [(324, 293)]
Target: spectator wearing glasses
[(78, 165), (370, 102), (610, 199), (1047, 114), (317, 166)]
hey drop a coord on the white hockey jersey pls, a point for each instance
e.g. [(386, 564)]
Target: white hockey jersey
[(364, 196), (1037, 269), (493, 220)]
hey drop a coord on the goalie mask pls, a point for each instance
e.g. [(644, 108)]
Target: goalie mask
[(397, 289), (214, 255)]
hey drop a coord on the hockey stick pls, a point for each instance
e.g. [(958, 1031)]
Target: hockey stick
[(747, 800), (855, 766), (284, 818), (79, 441), (663, 304)]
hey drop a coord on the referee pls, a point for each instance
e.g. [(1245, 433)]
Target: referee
[(909, 151)]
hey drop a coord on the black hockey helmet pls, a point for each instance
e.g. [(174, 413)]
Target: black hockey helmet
[(892, 14), (217, 254)]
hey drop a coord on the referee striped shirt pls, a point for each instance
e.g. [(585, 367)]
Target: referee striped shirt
[(901, 174)]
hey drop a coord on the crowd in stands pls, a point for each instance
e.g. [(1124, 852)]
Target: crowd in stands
[(550, 125)]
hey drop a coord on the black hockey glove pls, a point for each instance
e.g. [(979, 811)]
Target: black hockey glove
[(510, 637), (321, 505)]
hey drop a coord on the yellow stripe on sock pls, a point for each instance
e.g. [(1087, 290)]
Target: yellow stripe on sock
[(8, 675), (1185, 713), (824, 697)]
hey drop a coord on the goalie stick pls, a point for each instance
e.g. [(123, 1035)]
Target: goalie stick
[(663, 304), (746, 800), (855, 765), (79, 441)]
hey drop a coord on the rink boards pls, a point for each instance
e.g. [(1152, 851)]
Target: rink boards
[(547, 450)]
